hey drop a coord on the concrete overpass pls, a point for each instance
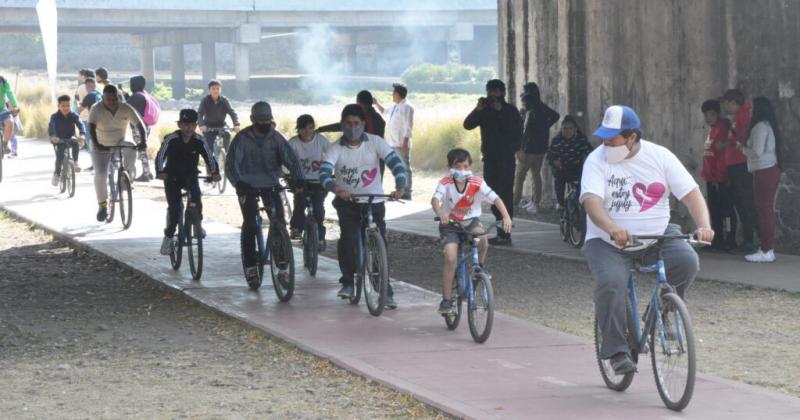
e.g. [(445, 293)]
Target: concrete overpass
[(244, 23)]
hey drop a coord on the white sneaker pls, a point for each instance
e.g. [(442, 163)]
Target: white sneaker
[(761, 257), (54, 181), (531, 209), (524, 203), (166, 246)]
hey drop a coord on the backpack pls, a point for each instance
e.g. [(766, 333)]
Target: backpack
[(152, 110)]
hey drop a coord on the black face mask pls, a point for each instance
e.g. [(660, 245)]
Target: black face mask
[(263, 127)]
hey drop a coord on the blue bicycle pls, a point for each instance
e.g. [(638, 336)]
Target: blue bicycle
[(473, 284), (666, 333), (190, 235)]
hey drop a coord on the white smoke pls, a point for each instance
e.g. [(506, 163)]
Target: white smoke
[(48, 24), (322, 59)]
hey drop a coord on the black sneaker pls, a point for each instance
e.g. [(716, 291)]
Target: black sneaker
[(390, 303), (102, 212), (622, 364), (500, 241), (346, 292), (296, 235), (446, 307), (251, 275), (143, 178)]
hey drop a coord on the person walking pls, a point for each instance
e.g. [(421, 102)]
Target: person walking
[(140, 100)]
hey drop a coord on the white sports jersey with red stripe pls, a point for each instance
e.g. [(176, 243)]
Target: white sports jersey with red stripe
[(465, 204)]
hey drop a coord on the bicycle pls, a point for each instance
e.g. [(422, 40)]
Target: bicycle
[(277, 252), (119, 185), (310, 240), (372, 261), (472, 283), (573, 217), (221, 152), (667, 331), (190, 235), (66, 180)]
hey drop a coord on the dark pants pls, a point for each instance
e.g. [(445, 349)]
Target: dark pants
[(59, 149), (211, 136), (248, 203), (350, 224), (172, 189), (720, 207), (560, 179), (499, 175), (742, 187), (318, 195), (765, 183)]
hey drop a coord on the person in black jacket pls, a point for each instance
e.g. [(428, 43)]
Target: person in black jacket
[(538, 118), (501, 138), (567, 152), (176, 165), (212, 112)]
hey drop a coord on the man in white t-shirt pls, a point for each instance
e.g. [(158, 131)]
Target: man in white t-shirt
[(625, 190), (355, 160), (399, 124)]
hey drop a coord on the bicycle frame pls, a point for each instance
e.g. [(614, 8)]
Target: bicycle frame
[(464, 275), (265, 255), (367, 222)]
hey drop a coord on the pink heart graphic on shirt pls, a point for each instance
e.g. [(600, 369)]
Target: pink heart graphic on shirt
[(367, 177), (315, 166), (652, 194)]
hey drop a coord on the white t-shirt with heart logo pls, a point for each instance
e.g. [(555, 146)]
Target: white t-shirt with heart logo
[(636, 191), (357, 169)]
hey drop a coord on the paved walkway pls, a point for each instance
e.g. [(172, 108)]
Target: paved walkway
[(524, 371)]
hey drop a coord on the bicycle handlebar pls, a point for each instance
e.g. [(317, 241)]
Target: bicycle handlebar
[(691, 238), (373, 196)]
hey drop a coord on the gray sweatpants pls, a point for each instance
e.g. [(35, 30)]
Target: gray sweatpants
[(100, 161), (611, 270), (409, 172)]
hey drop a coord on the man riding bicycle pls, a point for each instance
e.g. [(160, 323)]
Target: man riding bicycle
[(108, 124), (253, 166), (211, 117), (625, 190), (355, 159)]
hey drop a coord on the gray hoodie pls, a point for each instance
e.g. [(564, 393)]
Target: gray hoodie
[(257, 160)]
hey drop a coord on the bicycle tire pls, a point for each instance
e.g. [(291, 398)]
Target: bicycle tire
[(281, 252), (223, 182), (375, 272), (481, 282), (112, 197), (62, 180), (176, 255), (452, 320), (613, 381), (125, 200), (194, 244), (259, 256), (681, 318), (358, 278), (574, 231), (71, 181), (311, 247)]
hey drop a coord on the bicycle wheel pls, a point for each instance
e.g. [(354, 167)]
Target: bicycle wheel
[(71, 180), (358, 276), (452, 320), (480, 313), (575, 231), (611, 379), (259, 257), (112, 198), (282, 262), (62, 180), (194, 244), (125, 200), (311, 247), (176, 255), (673, 353), (224, 181), (375, 273)]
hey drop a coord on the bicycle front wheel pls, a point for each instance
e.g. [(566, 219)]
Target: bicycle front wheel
[(282, 262), (224, 181), (452, 320), (673, 353), (480, 313), (611, 379), (62, 180), (125, 200), (311, 247), (71, 181), (375, 272), (194, 244), (176, 254)]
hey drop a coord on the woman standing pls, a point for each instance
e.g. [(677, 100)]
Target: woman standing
[(763, 161)]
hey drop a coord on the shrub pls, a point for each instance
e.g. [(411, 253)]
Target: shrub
[(434, 139), (447, 73)]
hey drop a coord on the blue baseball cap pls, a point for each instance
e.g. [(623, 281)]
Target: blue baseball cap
[(617, 119)]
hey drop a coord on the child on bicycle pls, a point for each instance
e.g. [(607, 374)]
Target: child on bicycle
[(176, 165), (457, 201), (62, 127), (567, 152), (310, 147)]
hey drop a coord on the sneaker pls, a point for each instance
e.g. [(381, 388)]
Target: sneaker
[(390, 303), (143, 178), (102, 212), (296, 234), (500, 241), (524, 204), (12, 155), (251, 275), (166, 246), (90, 169), (346, 292), (761, 257), (77, 168), (446, 307), (54, 180), (531, 209), (622, 364), (202, 233)]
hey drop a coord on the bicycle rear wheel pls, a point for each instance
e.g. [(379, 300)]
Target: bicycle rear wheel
[(125, 200), (375, 272), (194, 244), (611, 379), (452, 320), (575, 230), (673, 353), (311, 247), (281, 262), (221, 163), (480, 313)]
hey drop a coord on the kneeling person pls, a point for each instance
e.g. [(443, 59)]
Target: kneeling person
[(457, 199), (176, 165)]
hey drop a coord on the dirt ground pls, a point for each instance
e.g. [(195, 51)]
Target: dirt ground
[(81, 337)]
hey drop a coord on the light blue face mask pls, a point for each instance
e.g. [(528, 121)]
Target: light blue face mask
[(460, 175), (353, 133)]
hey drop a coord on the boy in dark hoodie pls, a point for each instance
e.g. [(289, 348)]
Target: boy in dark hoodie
[(138, 102)]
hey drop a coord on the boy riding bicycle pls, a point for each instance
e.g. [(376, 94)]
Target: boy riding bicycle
[(457, 200), (310, 147), (176, 165), (62, 128)]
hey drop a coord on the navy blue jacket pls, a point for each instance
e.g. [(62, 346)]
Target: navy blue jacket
[(63, 126)]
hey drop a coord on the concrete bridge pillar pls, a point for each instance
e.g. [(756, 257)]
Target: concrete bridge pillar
[(209, 59), (241, 63), (147, 64), (178, 70)]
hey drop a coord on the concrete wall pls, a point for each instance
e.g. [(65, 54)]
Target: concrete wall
[(664, 58)]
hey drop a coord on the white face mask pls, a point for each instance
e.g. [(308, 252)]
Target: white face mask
[(616, 154), (460, 175)]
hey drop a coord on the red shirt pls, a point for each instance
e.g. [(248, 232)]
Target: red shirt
[(715, 167), (738, 134)]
